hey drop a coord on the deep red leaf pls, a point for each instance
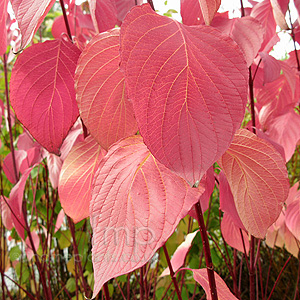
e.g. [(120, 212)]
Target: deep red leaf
[(247, 32), (258, 179), (195, 12), (30, 15), (42, 91), (200, 275), (188, 93), (136, 205), (100, 91), (76, 178), (104, 14), (3, 33)]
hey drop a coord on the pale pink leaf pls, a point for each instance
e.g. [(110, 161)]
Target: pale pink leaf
[(279, 15), (3, 32), (179, 255), (195, 12), (233, 234), (76, 177), (275, 233), (294, 194), (200, 275), (15, 202), (100, 91), (36, 242), (30, 15), (292, 218), (136, 205), (258, 179), (6, 216), (54, 164), (188, 93), (227, 204), (291, 243), (247, 32), (104, 14), (59, 220), (42, 91), (25, 141), (263, 12)]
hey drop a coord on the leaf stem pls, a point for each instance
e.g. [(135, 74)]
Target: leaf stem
[(151, 4), (294, 40), (106, 291), (9, 118), (207, 254), (173, 276), (62, 4)]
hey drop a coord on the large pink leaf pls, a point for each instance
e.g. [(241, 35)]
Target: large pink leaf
[(104, 14), (30, 15), (232, 234), (3, 33), (200, 275), (292, 218), (42, 91), (179, 255), (15, 203), (258, 179), (100, 91), (136, 205), (247, 32), (195, 12), (76, 178), (188, 93)]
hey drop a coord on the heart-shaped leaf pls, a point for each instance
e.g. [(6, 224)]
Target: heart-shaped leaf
[(188, 92), (100, 91), (76, 178), (258, 179), (136, 205), (42, 91), (30, 15)]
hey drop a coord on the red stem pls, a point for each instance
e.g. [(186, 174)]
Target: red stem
[(106, 291), (207, 254), (151, 4), (62, 4)]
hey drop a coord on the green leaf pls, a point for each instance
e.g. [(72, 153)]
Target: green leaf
[(65, 239), (14, 253), (71, 285)]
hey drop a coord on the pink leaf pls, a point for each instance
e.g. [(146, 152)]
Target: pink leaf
[(8, 166), (76, 178), (263, 12), (42, 91), (227, 204), (179, 255), (100, 89), (6, 216), (272, 67), (3, 33), (188, 94), (25, 141), (15, 202), (59, 220), (54, 164), (195, 12), (200, 275), (104, 14), (30, 15), (292, 218), (36, 242), (258, 179), (233, 234), (279, 15), (247, 32), (124, 6), (136, 205)]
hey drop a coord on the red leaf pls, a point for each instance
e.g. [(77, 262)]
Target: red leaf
[(200, 275), (258, 179), (136, 205), (76, 178), (247, 32), (124, 6), (292, 218), (101, 94), (3, 33), (104, 14), (232, 234), (188, 94), (30, 15), (15, 203), (272, 67), (263, 12), (179, 255), (42, 91), (8, 166), (195, 12)]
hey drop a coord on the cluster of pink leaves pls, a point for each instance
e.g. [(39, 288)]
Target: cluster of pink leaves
[(184, 88)]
